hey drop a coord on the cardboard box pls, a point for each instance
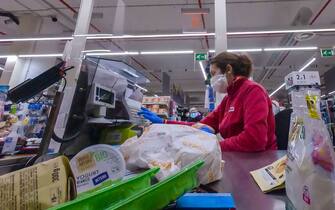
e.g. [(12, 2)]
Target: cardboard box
[(38, 187)]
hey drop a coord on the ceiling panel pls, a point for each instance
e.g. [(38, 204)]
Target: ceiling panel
[(161, 16)]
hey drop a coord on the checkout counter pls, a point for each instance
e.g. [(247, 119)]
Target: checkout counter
[(107, 94), (238, 181)]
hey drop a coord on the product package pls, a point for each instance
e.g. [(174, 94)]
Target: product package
[(38, 187), (271, 177), (172, 147), (97, 164), (310, 175)]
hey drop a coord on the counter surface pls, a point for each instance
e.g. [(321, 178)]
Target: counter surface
[(238, 181)]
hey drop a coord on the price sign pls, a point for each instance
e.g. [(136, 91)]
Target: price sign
[(302, 78)]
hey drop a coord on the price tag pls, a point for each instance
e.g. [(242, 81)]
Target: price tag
[(302, 78), (9, 144)]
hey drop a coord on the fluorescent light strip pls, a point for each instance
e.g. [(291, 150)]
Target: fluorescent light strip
[(91, 35), (167, 52), (280, 87), (7, 56), (113, 53), (331, 93), (142, 88), (1, 69), (307, 64), (290, 48), (203, 70), (300, 70), (111, 36), (40, 55), (131, 73), (246, 50), (281, 31), (88, 51), (156, 95), (270, 49), (35, 39), (108, 53)]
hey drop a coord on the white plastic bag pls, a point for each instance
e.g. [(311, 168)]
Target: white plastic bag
[(310, 175), (171, 147)]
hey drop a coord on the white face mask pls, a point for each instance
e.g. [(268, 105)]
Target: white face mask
[(219, 83)]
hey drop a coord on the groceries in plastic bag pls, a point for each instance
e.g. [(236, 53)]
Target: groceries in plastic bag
[(310, 175), (172, 147)]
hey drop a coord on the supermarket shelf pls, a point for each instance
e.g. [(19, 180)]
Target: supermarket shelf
[(163, 115), (158, 103)]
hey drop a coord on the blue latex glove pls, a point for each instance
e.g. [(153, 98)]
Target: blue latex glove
[(204, 127), (152, 117), (207, 129)]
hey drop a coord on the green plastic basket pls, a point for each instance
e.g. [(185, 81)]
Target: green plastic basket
[(137, 192), (107, 196), (161, 194)]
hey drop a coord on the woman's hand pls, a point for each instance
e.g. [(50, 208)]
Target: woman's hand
[(152, 117), (204, 127)]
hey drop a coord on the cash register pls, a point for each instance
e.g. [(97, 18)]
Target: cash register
[(107, 94)]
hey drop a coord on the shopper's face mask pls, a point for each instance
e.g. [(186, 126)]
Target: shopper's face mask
[(219, 83)]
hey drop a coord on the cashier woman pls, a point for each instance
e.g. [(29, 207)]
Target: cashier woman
[(244, 118)]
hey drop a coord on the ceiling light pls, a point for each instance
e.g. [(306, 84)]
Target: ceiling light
[(40, 55), (331, 93), (290, 48), (1, 69), (7, 56), (307, 64), (111, 36), (88, 51), (91, 35), (35, 39), (203, 70), (142, 88), (211, 51), (112, 53), (246, 50), (300, 70), (280, 87), (156, 95), (131, 73), (282, 31), (167, 52)]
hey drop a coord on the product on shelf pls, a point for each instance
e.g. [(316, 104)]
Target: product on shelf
[(161, 105)]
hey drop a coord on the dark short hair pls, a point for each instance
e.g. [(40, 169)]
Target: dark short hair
[(241, 64)]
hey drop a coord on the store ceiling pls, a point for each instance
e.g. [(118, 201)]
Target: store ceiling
[(164, 17)]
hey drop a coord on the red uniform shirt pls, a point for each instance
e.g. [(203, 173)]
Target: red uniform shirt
[(244, 118)]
